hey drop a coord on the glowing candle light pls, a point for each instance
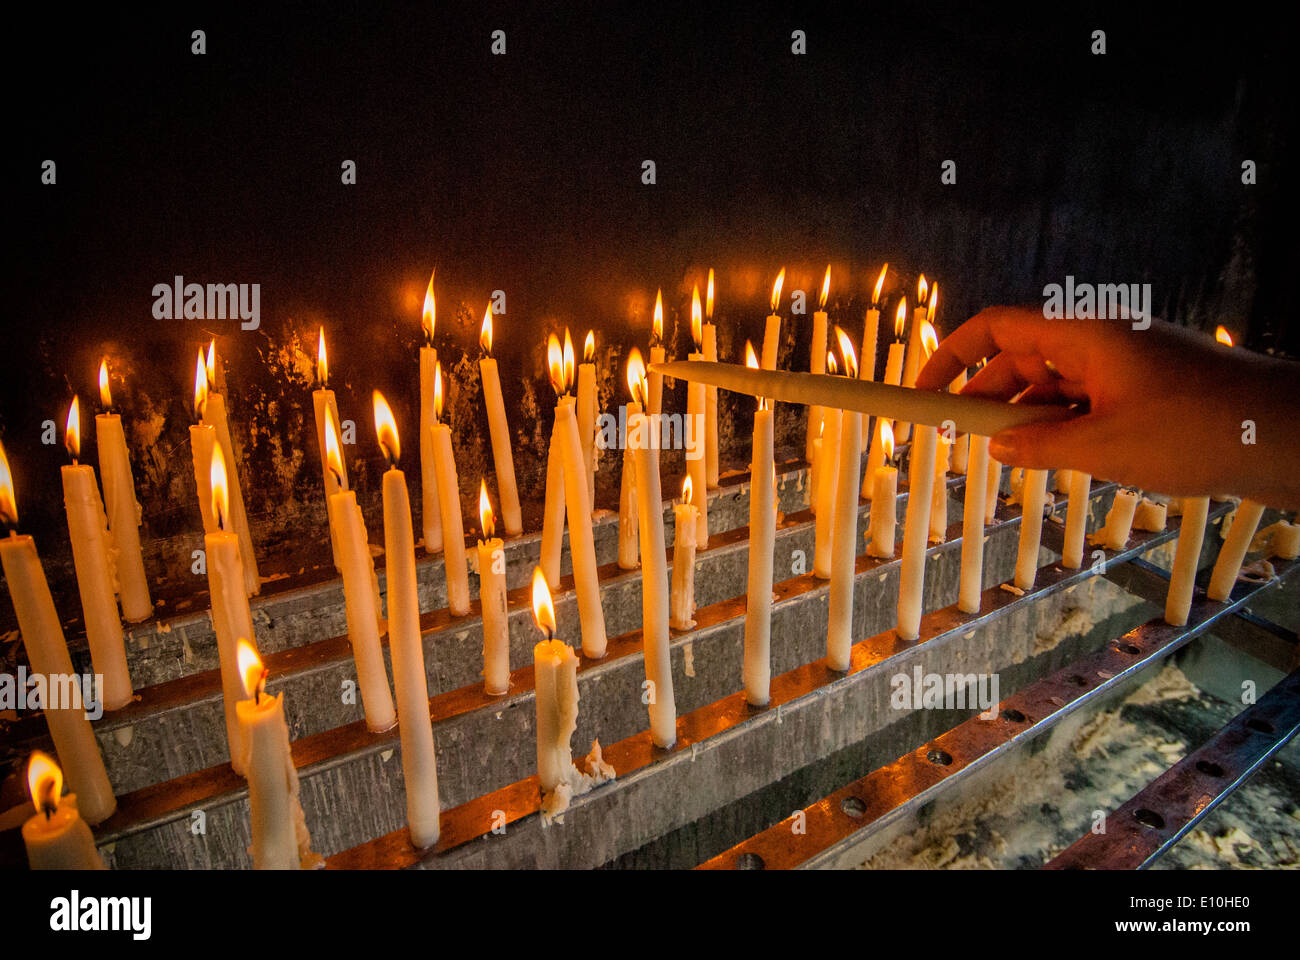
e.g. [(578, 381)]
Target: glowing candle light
[(844, 530), (1222, 335), (586, 411), (916, 525), (325, 406), (453, 527), (41, 630), (430, 511), (893, 375), (757, 665), (884, 500), (553, 515), (683, 589), (419, 762), (121, 506), (871, 329), (492, 599), (214, 414), (654, 402), (696, 457), (628, 549), (502, 453), (56, 838), (817, 363), (772, 332), (709, 336), (203, 438), (912, 364), (555, 675), (92, 558)]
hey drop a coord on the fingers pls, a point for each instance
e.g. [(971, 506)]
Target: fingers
[(1091, 442)]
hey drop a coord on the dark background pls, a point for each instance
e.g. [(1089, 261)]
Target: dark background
[(522, 172)]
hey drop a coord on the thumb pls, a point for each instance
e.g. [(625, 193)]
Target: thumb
[(1082, 443)]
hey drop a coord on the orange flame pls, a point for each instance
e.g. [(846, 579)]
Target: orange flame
[(486, 519), (568, 361), (437, 391), (922, 289), (880, 283), (322, 362), (933, 303), (543, 611), (659, 317), (485, 331), (386, 428), (887, 439), (8, 503), (697, 329), (846, 350), (210, 365), (1223, 336), (708, 297), (751, 358), (826, 288), (44, 782), (831, 366), (929, 339), (589, 347), (429, 315), (776, 289), (200, 387), (555, 363), (900, 319), (333, 455), (249, 666), (688, 491), (72, 438), (105, 395), (220, 491), (636, 376)]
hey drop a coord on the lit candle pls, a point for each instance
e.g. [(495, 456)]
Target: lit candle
[(453, 527), (231, 618), (654, 403), (203, 438), (1033, 498), (280, 837), (419, 763), (893, 375), (916, 525), (1235, 546), (577, 509), (817, 364), (884, 500), (654, 566), (772, 332), (972, 529), (430, 511), (1076, 519), (47, 653), (913, 364), (828, 473), (324, 406), (757, 670), (871, 329), (695, 423), (710, 337), (586, 411), (214, 413), (1187, 559), (844, 532), (492, 600), (683, 591), (628, 556), (553, 514), (502, 454), (93, 560), (555, 682), (360, 589), (122, 507), (56, 838), (939, 496)]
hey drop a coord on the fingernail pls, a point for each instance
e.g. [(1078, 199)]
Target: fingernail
[(1002, 450)]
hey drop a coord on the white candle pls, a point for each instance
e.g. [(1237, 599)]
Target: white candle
[(654, 403), (628, 551), (453, 527), (1150, 516), (683, 588), (884, 500), (1033, 498), (360, 591), (817, 364), (710, 339), (214, 414), (828, 474), (1119, 521), (56, 838), (492, 600), (47, 652), (1076, 519), (555, 684), (939, 496), (121, 506), (871, 330), (993, 485), (893, 375), (1234, 550), (914, 362), (772, 330), (757, 669), (553, 515), (586, 412), (502, 454), (430, 513), (324, 406), (1187, 557), (916, 531), (92, 559), (844, 532), (972, 529), (419, 762), (960, 447), (696, 465)]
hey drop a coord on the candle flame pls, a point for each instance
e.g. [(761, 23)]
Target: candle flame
[(636, 375), (751, 358), (437, 390), (831, 366), (929, 339), (486, 519), (105, 394), (887, 439), (555, 363), (1223, 336), (44, 782), (200, 387), (8, 503), (659, 316), (933, 303), (922, 290), (72, 438), (322, 362), (249, 666), (900, 319), (569, 363), (697, 329), (688, 491), (386, 429), (485, 331), (880, 283), (589, 347), (429, 315), (708, 297), (210, 365), (776, 289), (333, 455), (543, 611), (220, 490), (826, 288), (846, 350)]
